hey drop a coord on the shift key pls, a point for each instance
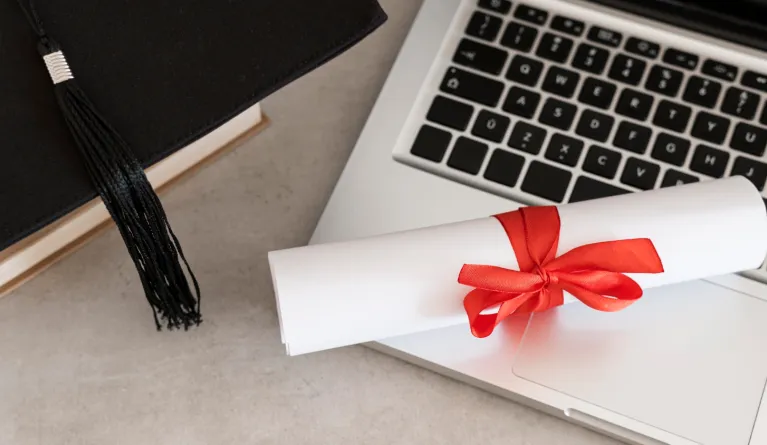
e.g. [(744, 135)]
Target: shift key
[(472, 87)]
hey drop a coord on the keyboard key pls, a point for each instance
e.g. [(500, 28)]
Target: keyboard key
[(642, 47), (490, 126), (640, 174), (450, 113), (564, 149), (605, 36), (530, 14), (749, 139), (504, 167), (567, 25), (499, 6), (431, 143), (586, 189), (740, 103), (561, 81), (672, 115), (709, 161), (524, 70), (484, 26), (472, 87), (763, 118), (521, 102), (755, 80), (634, 104), (518, 36), (602, 162), (675, 177), (670, 149), (597, 93), (680, 58), (595, 125), (755, 171), (467, 155), (480, 57), (632, 137), (627, 69), (702, 91), (720, 70), (546, 181), (590, 58), (558, 114), (554, 47), (710, 127), (527, 138), (664, 80)]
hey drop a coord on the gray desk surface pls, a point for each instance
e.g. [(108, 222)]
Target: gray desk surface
[(81, 363)]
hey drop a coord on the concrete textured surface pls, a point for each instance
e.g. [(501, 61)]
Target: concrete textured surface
[(81, 362)]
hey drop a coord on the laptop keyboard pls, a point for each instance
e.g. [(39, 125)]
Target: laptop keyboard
[(554, 110)]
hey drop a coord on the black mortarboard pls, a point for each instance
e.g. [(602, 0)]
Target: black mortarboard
[(92, 92)]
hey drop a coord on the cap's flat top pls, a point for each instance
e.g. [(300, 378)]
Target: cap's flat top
[(162, 72)]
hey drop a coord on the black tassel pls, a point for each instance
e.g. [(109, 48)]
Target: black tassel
[(120, 180)]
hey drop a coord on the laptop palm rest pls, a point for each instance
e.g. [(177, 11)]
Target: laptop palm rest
[(689, 359)]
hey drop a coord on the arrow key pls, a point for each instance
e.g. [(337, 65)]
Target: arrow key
[(640, 174), (481, 57)]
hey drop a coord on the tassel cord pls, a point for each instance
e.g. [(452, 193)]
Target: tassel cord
[(174, 247), (126, 192), (92, 130)]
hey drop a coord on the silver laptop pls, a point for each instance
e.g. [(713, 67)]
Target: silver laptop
[(493, 104)]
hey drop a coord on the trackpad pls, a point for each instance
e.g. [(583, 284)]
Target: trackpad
[(690, 359)]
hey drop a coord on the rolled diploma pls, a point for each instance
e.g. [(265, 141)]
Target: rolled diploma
[(339, 294)]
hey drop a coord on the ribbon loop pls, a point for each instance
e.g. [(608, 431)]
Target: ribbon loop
[(592, 273)]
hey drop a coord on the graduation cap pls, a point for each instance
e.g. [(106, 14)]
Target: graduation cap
[(93, 92)]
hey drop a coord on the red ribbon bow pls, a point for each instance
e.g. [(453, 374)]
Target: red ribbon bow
[(592, 273)]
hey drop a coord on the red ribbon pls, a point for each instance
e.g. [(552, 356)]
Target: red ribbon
[(592, 273)]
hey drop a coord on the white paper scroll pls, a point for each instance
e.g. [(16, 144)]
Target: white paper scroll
[(346, 293)]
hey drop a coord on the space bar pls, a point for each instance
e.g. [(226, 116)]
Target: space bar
[(587, 188)]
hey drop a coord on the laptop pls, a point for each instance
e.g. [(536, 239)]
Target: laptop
[(496, 104)]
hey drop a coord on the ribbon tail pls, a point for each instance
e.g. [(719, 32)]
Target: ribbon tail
[(601, 302), (624, 256), (482, 325)]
